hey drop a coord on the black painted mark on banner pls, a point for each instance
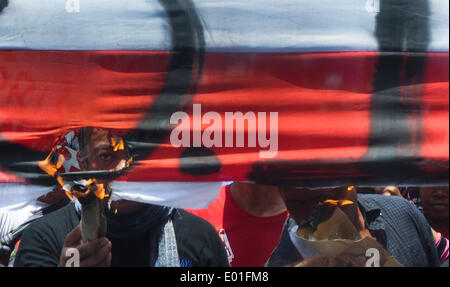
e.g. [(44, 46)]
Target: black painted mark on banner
[(199, 161), (395, 109), (185, 69), (184, 72), (395, 113), (3, 4)]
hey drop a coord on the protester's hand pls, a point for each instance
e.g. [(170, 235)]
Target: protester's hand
[(94, 253)]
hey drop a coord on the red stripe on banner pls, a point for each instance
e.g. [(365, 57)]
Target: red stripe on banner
[(45, 93), (322, 100), (435, 108), (6, 177)]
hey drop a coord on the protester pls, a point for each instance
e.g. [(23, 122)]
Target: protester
[(137, 234), (249, 218), (435, 207), (439, 202), (393, 222)]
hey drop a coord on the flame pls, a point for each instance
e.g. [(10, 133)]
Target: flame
[(117, 145), (99, 190), (336, 202), (47, 166), (68, 195)]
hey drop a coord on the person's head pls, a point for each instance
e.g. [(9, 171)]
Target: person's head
[(435, 202), (301, 202)]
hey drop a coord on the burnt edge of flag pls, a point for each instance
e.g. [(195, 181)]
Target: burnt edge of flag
[(3, 4)]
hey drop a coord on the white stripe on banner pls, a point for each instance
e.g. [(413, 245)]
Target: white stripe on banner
[(15, 195), (192, 195), (230, 26)]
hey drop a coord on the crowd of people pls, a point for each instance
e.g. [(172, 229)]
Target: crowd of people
[(248, 225)]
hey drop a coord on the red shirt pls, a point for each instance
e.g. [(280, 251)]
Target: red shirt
[(248, 239)]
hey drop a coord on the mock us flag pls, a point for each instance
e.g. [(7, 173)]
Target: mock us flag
[(306, 93)]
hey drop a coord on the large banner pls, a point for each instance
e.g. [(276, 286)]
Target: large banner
[(311, 93)]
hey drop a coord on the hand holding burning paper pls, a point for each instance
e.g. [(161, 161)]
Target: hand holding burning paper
[(336, 241), (330, 229)]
